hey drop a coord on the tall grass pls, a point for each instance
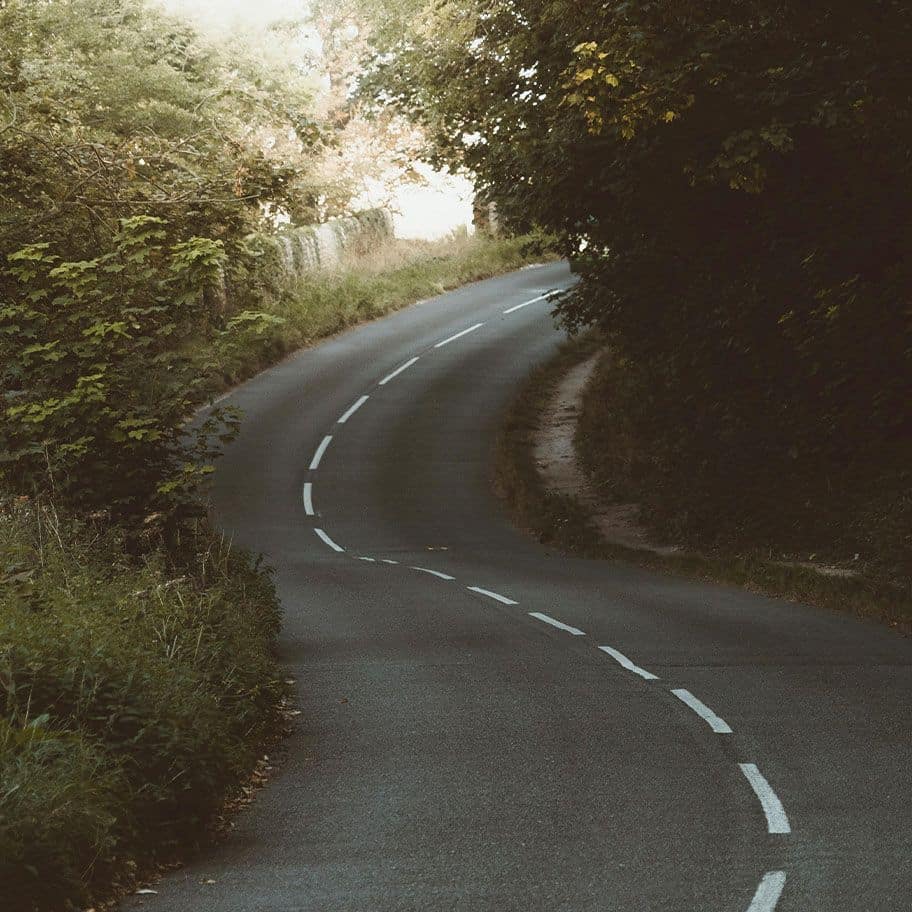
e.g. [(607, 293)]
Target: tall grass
[(133, 695)]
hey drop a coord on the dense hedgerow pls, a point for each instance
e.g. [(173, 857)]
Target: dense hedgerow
[(133, 694)]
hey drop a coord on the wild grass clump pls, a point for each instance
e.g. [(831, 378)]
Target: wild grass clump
[(134, 694)]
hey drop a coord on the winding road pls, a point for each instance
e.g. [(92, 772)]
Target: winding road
[(491, 726)]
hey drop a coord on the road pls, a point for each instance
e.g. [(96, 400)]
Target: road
[(488, 725)]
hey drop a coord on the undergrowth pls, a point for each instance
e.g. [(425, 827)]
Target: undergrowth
[(135, 693), (856, 518)]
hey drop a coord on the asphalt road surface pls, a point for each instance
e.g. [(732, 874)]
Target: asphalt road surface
[(491, 726)]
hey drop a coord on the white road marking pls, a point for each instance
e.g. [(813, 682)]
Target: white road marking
[(776, 820), (308, 499), (396, 372), (353, 409), (717, 724), (768, 892), (498, 598), (321, 449), (624, 662), (541, 297), (372, 560), (386, 560), (327, 540), (459, 335), (559, 624), (442, 576)]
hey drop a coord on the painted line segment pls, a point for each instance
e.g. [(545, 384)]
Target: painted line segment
[(541, 297), (308, 498), (494, 595), (327, 540), (437, 573), (559, 624), (372, 560), (716, 723), (458, 335), (386, 560), (397, 371), (353, 409), (624, 662), (776, 819), (768, 892), (321, 449)]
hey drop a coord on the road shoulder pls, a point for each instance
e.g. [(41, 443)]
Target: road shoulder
[(550, 495)]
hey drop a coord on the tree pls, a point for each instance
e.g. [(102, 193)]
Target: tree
[(738, 174), (135, 160)]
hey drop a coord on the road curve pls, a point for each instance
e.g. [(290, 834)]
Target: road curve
[(491, 726)]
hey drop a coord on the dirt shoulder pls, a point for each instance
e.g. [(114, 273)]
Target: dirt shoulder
[(556, 458)]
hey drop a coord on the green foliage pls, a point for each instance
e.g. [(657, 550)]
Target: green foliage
[(131, 697), (738, 176), (79, 417), (608, 448), (58, 812), (110, 109)]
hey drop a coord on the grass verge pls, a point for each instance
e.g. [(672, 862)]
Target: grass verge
[(136, 695), (365, 285), (563, 522)]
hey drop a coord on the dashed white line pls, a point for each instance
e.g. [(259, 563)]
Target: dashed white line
[(353, 409), (776, 819), (327, 540), (768, 892), (443, 576), (386, 560), (372, 560), (308, 499), (497, 598), (716, 723), (397, 371), (541, 297), (458, 335), (624, 662), (321, 449), (559, 624)]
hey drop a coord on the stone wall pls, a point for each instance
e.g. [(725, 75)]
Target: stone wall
[(314, 247)]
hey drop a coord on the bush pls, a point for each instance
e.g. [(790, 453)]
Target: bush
[(79, 418), (138, 691)]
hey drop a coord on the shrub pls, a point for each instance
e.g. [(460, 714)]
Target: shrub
[(737, 177), (80, 418)]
